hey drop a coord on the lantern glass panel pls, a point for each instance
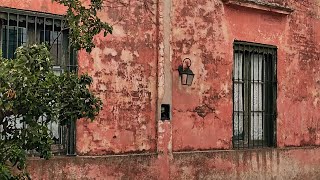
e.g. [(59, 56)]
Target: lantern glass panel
[(184, 78), (190, 79)]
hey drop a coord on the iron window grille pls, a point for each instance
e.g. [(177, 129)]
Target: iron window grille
[(21, 27), (254, 95)]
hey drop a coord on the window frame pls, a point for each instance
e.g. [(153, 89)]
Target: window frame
[(268, 87)]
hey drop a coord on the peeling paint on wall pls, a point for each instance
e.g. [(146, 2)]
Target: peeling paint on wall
[(135, 69)]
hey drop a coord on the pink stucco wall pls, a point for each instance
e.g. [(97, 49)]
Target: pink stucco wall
[(35, 5), (123, 66), (128, 69), (205, 31), (300, 163)]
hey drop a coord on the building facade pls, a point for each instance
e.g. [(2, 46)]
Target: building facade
[(251, 112)]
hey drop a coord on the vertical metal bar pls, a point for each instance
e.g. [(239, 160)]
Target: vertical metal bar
[(260, 54), (61, 61), (35, 29), (275, 91), (8, 21), (52, 37), (260, 59), (238, 93), (57, 52), (234, 102), (17, 38), (256, 97), (236, 81), (71, 138), (13, 40), (52, 34), (44, 30), (64, 137), (1, 46), (263, 95), (276, 96), (252, 113), (60, 133), (268, 97), (271, 97), (249, 95), (69, 55), (4, 40), (244, 95), (27, 23), (237, 118), (233, 83)]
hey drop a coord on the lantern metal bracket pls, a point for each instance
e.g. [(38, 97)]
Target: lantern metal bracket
[(181, 69)]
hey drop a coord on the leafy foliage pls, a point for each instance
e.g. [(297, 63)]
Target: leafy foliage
[(33, 95), (30, 90), (84, 22)]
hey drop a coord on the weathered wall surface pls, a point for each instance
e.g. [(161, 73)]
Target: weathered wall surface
[(202, 113), (299, 78), (34, 5), (204, 31), (130, 69), (254, 164), (123, 66), (104, 168)]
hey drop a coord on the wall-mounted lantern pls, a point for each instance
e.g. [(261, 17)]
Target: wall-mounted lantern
[(185, 72)]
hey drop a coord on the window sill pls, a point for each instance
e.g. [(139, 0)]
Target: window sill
[(264, 6), (265, 149), (56, 150)]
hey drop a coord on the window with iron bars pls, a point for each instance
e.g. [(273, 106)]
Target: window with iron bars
[(254, 95), (20, 27)]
